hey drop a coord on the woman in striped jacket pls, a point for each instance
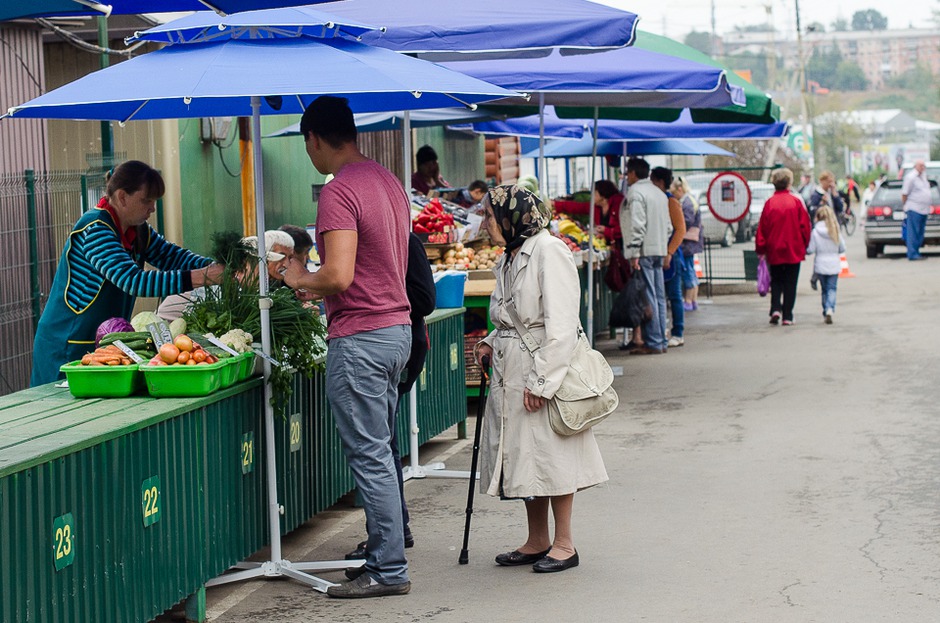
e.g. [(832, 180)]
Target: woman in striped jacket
[(101, 272)]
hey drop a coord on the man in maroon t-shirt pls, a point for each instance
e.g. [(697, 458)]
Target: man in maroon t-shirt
[(363, 220)]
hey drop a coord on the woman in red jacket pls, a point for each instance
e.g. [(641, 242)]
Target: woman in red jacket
[(782, 237)]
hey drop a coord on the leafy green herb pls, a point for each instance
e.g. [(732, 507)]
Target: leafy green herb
[(297, 332)]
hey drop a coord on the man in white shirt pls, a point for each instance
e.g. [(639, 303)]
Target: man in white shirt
[(646, 226), (915, 197)]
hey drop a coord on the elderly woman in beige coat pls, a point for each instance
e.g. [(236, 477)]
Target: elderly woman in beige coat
[(521, 456)]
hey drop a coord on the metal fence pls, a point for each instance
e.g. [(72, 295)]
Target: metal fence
[(37, 212)]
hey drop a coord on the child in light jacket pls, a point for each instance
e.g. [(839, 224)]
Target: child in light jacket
[(827, 245)]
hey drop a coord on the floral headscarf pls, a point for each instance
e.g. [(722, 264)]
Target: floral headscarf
[(519, 213)]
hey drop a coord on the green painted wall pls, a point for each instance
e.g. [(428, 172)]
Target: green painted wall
[(212, 196)]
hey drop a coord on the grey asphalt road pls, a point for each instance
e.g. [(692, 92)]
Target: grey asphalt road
[(757, 474)]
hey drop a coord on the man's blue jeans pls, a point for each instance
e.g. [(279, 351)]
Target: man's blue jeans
[(674, 294), (828, 285), (654, 331), (362, 373), (916, 223)]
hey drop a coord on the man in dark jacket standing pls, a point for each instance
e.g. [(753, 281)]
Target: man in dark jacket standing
[(782, 237), (422, 294)]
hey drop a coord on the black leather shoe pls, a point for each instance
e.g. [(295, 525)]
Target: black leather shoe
[(516, 558), (355, 572), (551, 565), (360, 553)]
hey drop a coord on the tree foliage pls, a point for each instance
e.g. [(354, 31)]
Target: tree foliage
[(869, 19), (701, 41), (840, 25), (831, 70)]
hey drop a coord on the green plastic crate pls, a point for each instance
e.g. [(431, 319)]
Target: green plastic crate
[(247, 365), (184, 381), (230, 371), (103, 381)]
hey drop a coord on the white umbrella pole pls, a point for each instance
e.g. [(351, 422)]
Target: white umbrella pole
[(543, 174), (406, 151), (414, 469), (591, 224), (264, 303), (276, 566)]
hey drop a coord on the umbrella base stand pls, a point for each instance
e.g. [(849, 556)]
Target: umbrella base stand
[(431, 470), (434, 470), (286, 569)]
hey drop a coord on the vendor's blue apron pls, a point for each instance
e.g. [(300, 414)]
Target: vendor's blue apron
[(66, 334)]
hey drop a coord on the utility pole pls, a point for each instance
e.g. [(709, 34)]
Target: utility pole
[(772, 51), (807, 121), (714, 46)]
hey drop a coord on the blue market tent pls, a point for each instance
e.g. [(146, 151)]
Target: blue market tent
[(20, 9), (683, 127), (453, 25), (564, 148)]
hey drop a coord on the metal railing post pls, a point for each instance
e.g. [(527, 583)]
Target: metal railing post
[(30, 176)]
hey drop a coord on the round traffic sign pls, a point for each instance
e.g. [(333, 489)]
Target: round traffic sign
[(729, 197)]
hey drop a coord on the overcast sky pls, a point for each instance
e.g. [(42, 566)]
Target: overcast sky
[(675, 18)]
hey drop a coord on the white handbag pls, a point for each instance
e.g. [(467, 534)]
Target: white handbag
[(586, 395)]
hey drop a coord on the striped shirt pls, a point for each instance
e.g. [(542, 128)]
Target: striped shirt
[(96, 255)]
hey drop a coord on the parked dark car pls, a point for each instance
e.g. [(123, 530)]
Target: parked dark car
[(885, 215)]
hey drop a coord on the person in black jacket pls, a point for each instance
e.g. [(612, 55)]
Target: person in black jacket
[(422, 295)]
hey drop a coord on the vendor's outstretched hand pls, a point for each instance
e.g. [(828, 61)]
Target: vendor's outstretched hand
[(208, 275)]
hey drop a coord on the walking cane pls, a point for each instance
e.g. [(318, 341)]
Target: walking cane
[(481, 404)]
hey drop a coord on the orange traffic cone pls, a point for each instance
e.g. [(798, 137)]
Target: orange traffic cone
[(845, 271), (698, 268)]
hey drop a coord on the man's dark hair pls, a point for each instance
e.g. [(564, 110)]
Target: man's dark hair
[(425, 154), (606, 188), (663, 175), (331, 119), (640, 167), (478, 185), (302, 239)]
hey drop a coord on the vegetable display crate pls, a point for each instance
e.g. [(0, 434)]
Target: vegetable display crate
[(246, 366), (230, 371), (183, 381), (103, 381), (473, 370)]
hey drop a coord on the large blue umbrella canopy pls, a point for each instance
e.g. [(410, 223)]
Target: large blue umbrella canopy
[(281, 23), (219, 79), (416, 26), (377, 121), (18, 9), (629, 77), (563, 148), (684, 127)]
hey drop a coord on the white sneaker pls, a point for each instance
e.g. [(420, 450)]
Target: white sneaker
[(675, 341)]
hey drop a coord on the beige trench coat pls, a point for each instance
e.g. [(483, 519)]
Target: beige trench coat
[(517, 446)]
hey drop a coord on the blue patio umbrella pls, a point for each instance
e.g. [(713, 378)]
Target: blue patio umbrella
[(628, 77), (377, 121), (683, 127), (283, 23), (563, 148), (220, 79), (414, 26), (251, 78), (19, 9)]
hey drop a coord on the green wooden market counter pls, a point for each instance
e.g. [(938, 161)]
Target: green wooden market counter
[(117, 509)]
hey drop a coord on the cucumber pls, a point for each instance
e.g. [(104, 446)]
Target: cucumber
[(125, 336)]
